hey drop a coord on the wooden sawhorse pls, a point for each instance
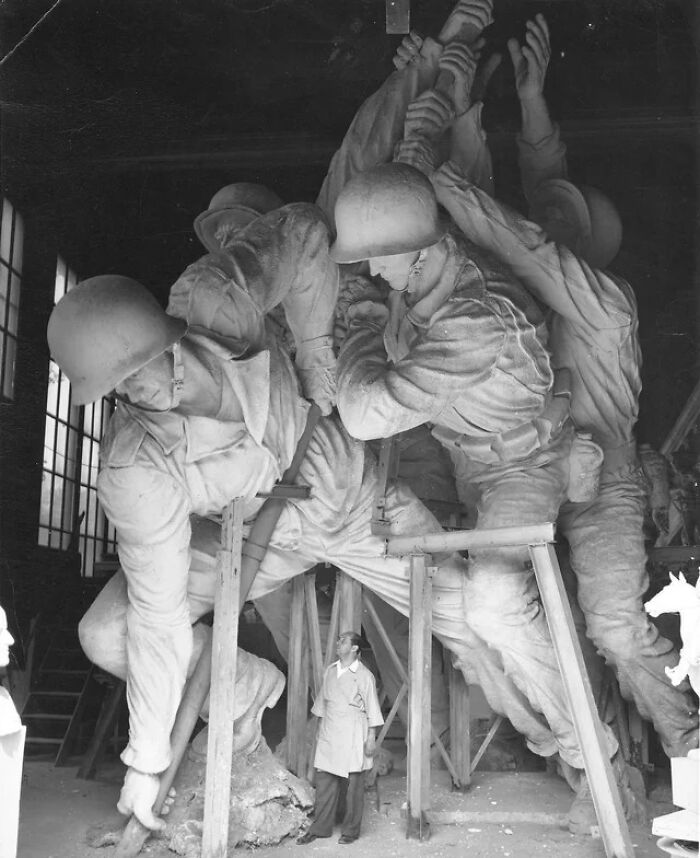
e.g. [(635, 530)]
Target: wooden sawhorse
[(539, 540)]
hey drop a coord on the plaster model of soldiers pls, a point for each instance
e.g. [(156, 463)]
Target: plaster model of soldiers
[(244, 218), (462, 347), (594, 334), (350, 713), (202, 419)]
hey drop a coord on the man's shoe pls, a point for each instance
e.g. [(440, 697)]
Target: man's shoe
[(307, 837), (345, 838)]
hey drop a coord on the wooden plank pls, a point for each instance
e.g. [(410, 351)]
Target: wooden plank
[(398, 16), (496, 722), (460, 725), (217, 791), (314, 631), (297, 683), (684, 423), (389, 720), (463, 540), (419, 667), (350, 618), (606, 798), (75, 721), (373, 617), (333, 628)]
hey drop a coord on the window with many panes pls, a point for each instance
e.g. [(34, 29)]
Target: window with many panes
[(11, 241), (70, 512)]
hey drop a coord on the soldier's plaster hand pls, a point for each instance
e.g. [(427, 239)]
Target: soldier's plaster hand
[(316, 367), (418, 152), (461, 61), (408, 51), (467, 20), (138, 796), (530, 60), (370, 746), (318, 385), (428, 116), (368, 314), (483, 76)]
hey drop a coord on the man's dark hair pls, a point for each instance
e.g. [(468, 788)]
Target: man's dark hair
[(355, 639)]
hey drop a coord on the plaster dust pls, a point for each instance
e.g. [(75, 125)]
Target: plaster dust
[(59, 812)]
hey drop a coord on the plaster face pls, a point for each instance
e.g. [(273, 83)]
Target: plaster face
[(394, 269), (151, 387), (6, 640)]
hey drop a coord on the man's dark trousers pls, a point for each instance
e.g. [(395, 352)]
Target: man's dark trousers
[(327, 791)]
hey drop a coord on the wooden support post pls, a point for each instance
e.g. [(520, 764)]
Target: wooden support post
[(314, 631), (217, 791), (398, 16), (297, 683), (589, 730), (373, 617), (419, 659), (460, 725), (350, 618)]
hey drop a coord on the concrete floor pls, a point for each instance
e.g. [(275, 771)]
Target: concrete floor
[(504, 815)]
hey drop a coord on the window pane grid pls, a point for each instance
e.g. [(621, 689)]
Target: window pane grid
[(11, 246), (72, 438)]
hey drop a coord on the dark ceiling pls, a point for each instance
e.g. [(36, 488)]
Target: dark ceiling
[(103, 96), (121, 119)]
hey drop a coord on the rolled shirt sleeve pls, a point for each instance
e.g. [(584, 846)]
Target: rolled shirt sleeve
[(542, 160), (151, 516)]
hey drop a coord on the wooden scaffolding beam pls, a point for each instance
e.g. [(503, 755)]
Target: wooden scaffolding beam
[(539, 539)]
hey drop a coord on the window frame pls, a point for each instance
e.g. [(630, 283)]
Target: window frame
[(11, 265), (69, 510)]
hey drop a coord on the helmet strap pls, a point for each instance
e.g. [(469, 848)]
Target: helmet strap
[(416, 269)]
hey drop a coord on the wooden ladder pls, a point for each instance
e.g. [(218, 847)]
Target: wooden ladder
[(54, 707)]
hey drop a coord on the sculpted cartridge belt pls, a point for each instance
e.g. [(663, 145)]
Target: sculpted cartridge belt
[(523, 440)]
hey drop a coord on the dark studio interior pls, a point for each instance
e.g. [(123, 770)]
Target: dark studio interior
[(119, 121)]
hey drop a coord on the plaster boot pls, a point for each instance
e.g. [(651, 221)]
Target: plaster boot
[(582, 815)]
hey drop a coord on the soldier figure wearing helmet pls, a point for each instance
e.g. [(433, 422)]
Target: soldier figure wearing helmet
[(462, 346), (202, 418), (593, 336), (593, 327)]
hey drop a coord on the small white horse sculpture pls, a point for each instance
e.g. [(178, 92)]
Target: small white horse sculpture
[(681, 597)]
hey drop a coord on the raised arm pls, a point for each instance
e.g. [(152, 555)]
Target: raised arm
[(378, 124), (593, 299), (280, 258), (541, 154)]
